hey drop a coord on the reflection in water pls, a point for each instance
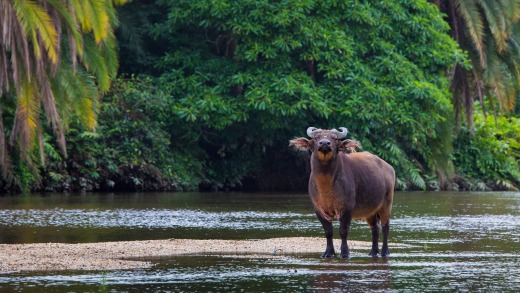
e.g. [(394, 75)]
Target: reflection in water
[(229, 273), (457, 242), (291, 273), (373, 275)]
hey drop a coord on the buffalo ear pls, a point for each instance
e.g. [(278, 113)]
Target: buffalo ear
[(349, 145), (301, 144)]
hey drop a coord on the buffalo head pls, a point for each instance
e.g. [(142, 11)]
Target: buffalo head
[(325, 143)]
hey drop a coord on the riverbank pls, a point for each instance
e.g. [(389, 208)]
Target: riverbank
[(126, 254)]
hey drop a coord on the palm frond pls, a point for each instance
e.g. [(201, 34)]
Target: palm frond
[(502, 75), (516, 10), (98, 18), (64, 90), (56, 22), (3, 147), (497, 22), (41, 146), (479, 88), (109, 52), (111, 13), (86, 106), (71, 25), (49, 105), (14, 41), (491, 40), (496, 82), (5, 161), (26, 118), (33, 74), (94, 62), (4, 76), (79, 13), (469, 12), (120, 2), (79, 95), (74, 31), (462, 97), (38, 24), (512, 56)]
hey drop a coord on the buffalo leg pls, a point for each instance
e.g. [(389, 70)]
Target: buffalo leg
[(344, 226), (384, 215), (327, 226), (374, 228), (386, 228), (385, 223)]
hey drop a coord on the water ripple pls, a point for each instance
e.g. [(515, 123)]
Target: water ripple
[(463, 227), (155, 218)]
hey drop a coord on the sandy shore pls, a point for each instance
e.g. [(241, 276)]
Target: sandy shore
[(122, 255)]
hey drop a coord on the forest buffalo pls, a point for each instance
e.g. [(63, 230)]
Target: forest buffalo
[(347, 185)]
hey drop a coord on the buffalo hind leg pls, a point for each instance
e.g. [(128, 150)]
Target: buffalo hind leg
[(385, 252), (373, 222), (344, 226), (327, 227), (385, 224)]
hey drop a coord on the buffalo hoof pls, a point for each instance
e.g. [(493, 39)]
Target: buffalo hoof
[(385, 254), (373, 253), (328, 254), (345, 256)]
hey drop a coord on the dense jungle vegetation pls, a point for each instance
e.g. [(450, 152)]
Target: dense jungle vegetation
[(206, 94)]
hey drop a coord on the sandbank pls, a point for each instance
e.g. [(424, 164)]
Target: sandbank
[(138, 254)]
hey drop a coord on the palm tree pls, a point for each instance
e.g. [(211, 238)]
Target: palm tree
[(49, 52), (488, 30)]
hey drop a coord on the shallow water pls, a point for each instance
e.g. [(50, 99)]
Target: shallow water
[(456, 242)]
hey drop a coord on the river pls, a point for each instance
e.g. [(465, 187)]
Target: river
[(453, 242)]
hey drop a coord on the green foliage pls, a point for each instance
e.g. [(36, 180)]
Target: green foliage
[(136, 135), (488, 31), (130, 149), (375, 67), (56, 57), (228, 83), (492, 154)]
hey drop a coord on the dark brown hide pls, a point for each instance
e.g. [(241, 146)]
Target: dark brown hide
[(347, 185)]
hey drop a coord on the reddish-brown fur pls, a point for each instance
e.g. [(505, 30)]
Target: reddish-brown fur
[(347, 185)]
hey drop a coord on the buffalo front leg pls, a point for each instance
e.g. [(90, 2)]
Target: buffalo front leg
[(374, 228), (327, 227), (344, 226)]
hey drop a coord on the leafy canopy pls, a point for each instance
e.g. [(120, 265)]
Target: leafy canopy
[(375, 67)]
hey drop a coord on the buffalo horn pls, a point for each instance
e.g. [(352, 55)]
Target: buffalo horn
[(310, 131), (343, 133)]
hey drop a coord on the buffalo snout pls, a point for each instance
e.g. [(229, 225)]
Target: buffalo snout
[(324, 145)]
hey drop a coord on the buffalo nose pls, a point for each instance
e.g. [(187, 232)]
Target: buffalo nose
[(324, 142)]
